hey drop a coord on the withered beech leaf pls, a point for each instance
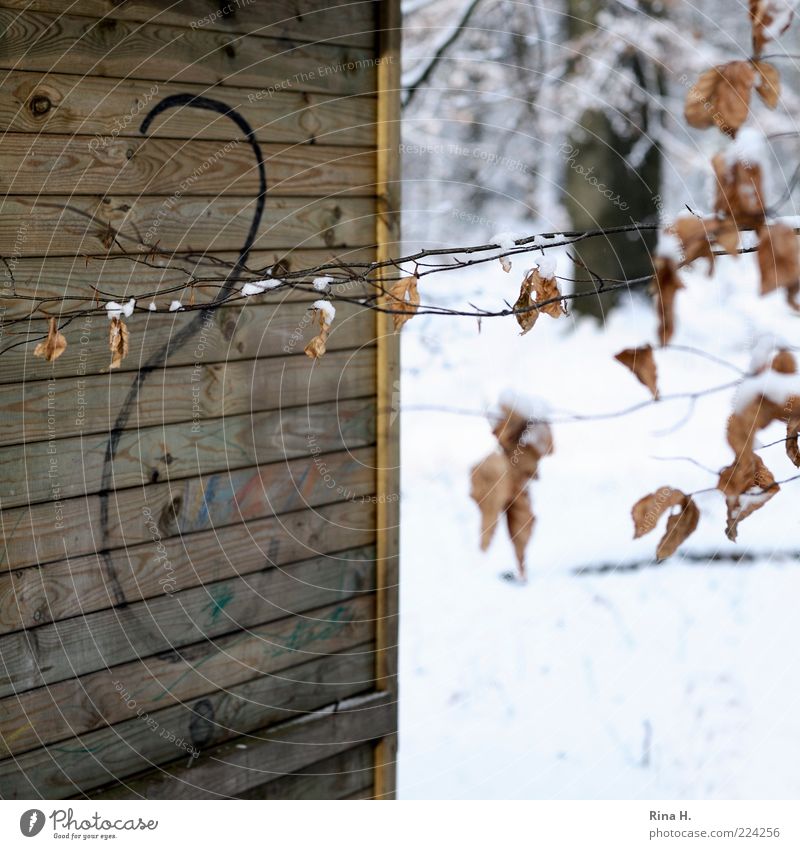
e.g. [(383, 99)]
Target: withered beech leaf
[(403, 300), (535, 289), (492, 490), (117, 341), (769, 19), (778, 257), (53, 346), (316, 346), (649, 509), (738, 191), (523, 441), (666, 283), (695, 235), (721, 97), (520, 521), (769, 83), (761, 488), (642, 363)]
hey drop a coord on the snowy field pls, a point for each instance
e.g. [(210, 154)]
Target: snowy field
[(607, 675)]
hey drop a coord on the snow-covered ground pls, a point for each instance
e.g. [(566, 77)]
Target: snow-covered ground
[(677, 680)]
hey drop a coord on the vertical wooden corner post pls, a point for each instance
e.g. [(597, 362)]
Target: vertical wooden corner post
[(388, 419)]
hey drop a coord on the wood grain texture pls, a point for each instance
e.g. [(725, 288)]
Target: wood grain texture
[(388, 373), (81, 585), (339, 777), (74, 647), (80, 705), (113, 48), (57, 530), (298, 20), (241, 331), (41, 282), (109, 109), (70, 406), (60, 225), (54, 165), (228, 771), (142, 742), (173, 452)]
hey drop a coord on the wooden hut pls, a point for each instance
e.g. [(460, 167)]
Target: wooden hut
[(198, 591)]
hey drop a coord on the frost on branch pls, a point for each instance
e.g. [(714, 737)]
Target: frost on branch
[(53, 346), (642, 363), (325, 313), (648, 510), (538, 286), (500, 481)]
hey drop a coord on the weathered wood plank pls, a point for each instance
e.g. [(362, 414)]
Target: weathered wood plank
[(74, 647), (174, 452), (141, 742), (65, 529), (70, 406), (338, 777), (228, 771), (112, 48), (69, 226), (81, 585), (79, 705), (298, 20), (109, 109), (75, 165), (41, 282)]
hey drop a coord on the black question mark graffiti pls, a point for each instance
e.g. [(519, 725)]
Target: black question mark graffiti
[(159, 358)]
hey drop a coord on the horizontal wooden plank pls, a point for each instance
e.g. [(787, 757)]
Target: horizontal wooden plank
[(79, 705), (69, 406), (69, 226), (41, 594), (299, 20), (84, 762), (174, 452), (339, 777), (41, 282), (74, 647), (75, 165), (113, 48), (228, 771), (108, 109), (65, 529)]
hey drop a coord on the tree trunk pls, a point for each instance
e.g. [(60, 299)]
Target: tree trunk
[(603, 190)]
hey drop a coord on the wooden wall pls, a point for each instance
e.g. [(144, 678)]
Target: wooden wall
[(199, 563)]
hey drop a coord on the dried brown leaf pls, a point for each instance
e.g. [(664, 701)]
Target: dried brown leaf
[(665, 285), (745, 503), (721, 97), (778, 257), (534, 290), (53, 346), (642, 363), (492, 491), (403, 300), (117, 341), (738, 191), (524, 442), (316, 346), (649, 509), (769, 83), (520, 520), (768, 19)]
